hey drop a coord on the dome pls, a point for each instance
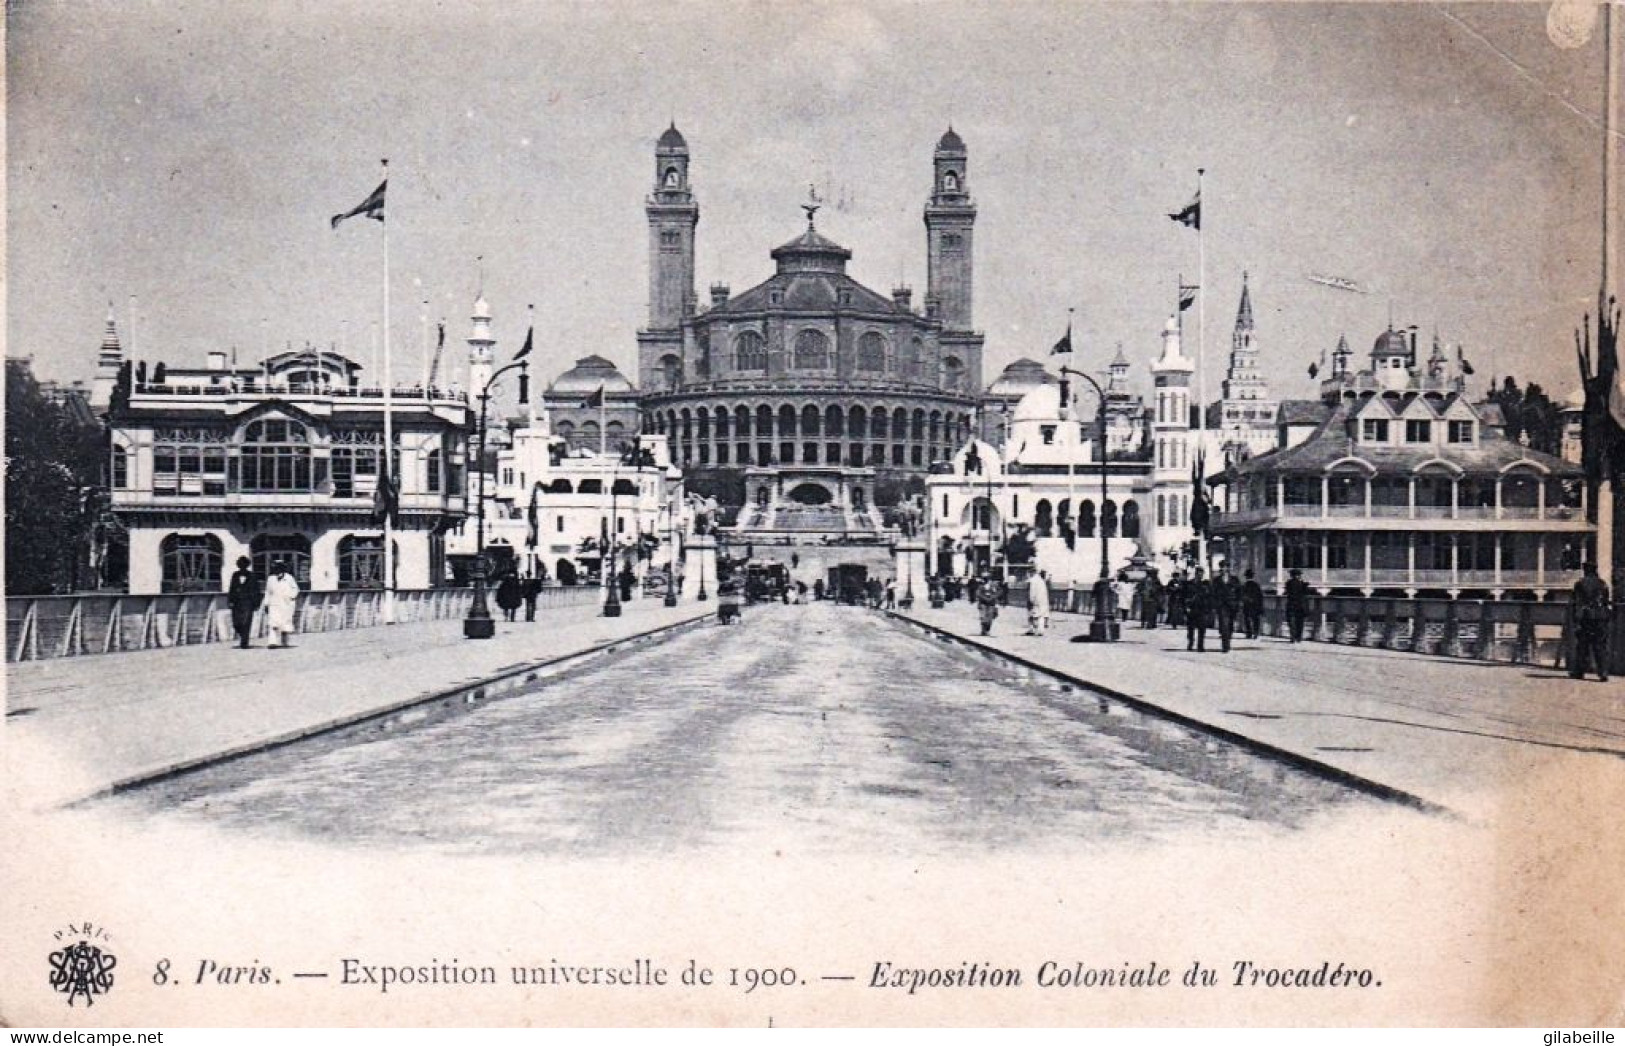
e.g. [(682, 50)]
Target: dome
[(1391, 343), (951, 142), (589, 375), (672, 138), (1019, 377), (811, 252), (1041, 404)]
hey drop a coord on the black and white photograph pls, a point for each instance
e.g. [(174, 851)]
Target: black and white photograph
[(1109, 519)]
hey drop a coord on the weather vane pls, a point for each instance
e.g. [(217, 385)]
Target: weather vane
[(812, 204)]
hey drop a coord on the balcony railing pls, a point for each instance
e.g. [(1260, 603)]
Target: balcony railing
[(39, 627), (1551, 513), (434, 394), (1551, 579)]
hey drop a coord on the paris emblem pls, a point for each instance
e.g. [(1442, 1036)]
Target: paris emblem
[(82, 968)]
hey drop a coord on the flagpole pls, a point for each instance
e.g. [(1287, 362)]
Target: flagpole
[(1076, 428), (603, 421), (389, 471), (1201, 338), (423, 319)]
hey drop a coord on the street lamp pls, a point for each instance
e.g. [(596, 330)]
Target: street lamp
[(671, 551), (1103, 629), (612, 553), (479, 624)]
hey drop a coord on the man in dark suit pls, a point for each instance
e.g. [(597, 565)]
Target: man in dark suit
[(1226, 604), (1198, 608), (1252, 606), (1297, 604), (1591, 610), (244, 598)]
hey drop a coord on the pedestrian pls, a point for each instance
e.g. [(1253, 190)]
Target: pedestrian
[(987, 605), (891, 595), (1038, 603), (244, 598), (628, 582), (973, 588), (1226, 604), (1175, 595), (730, 598), (1198, 604), (1150, 600), (1591, 610), (1125, 596), (281, 596), (1297, 604), (508, 594), (801, 592), (1252, 606), (530, 590)]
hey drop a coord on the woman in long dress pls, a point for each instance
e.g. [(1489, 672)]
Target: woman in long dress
[(281, 596)]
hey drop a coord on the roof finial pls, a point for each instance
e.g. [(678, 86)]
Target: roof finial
[(812, 204)]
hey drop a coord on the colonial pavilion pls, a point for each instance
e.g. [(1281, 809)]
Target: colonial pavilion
[(1397, 483), (277, 461)]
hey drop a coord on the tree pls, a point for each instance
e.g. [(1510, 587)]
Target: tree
[(54, 490)]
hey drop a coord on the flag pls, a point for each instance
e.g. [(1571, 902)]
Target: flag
[(386, 500), (532, 519), (372, 207), (1314, 368), (1191, 214), (1187, 296), (1065, 344), (1461, 361), (530, 336), (596, 399)]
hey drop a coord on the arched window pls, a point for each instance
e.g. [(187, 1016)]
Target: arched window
[(673, 178), (950, 182), (1086, 518), (1042, 520), (787, 420), (703, 423), (810, 420), (191, 562), (722, 423), (953, 374), (588, 436), (624, 488), (916, 360), (834, 421), (872, 352), (742, 422), (275, 457), (1131, 519), (1162, 510), (559, 486), (859, 423), (671, 372), (899, 424), (812, 350), (750, 351), (361, 562), (590, 486), (917, 430), (1108, 518), (266, 550), (764, 421)]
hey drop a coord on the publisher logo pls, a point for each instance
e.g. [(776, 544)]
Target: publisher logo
[(82, 968)]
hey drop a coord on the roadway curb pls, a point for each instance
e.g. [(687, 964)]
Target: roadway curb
[(468, 693), (1276, 753)]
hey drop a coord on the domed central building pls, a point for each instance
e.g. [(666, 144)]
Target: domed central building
[(810, 399)]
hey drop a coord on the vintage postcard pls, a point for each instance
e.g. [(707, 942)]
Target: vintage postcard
[(1107, 520)]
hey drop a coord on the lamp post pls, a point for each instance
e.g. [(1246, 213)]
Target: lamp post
[(1103, 629), (671, 552), (479, 624), (612, 554)]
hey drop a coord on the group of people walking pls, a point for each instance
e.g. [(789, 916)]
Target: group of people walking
[(278, 597)]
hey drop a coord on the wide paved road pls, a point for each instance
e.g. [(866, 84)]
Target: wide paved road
[(805, 730)]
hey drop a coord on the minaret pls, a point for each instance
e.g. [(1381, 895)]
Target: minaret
[(480, 346), (950, 219), (108, 362), (1171, 443), (673, 216)]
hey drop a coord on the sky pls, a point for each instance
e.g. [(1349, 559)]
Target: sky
[(1447, 158)]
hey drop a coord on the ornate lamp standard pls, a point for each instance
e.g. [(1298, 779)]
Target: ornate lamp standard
[(671, 552), (478, 624), (612, 553), (1103, 629)]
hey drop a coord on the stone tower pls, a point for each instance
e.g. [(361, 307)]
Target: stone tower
[(673, 216), (1247, 413), (950, 219)]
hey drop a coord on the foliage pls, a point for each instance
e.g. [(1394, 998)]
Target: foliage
[(1529, 412), (54, 493)]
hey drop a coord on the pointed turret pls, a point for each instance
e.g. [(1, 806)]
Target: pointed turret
[(480, 347), (108, 361)]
